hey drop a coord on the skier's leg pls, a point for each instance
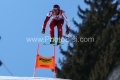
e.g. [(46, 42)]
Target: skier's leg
[(52, 25), (59, 26)]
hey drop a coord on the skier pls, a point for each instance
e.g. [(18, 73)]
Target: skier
[(58, 17)]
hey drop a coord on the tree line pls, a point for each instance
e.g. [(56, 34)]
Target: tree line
[(93, 60)]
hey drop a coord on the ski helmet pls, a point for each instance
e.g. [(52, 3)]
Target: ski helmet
[(56, 9)]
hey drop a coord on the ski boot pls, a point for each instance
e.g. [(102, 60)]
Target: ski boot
[(59, 41), (52, 41)]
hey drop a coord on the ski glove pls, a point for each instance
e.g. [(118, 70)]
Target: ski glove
[(43, 31), (67, 31)]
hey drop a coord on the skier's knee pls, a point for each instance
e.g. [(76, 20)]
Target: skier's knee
[(60, 30)]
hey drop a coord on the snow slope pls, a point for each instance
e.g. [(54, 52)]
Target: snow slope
[(27, 78), (115, 74)]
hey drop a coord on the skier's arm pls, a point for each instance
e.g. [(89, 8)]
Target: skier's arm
[(46, 20), (67, 20)]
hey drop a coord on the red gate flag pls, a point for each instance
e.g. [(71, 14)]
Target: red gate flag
[(44, 62)]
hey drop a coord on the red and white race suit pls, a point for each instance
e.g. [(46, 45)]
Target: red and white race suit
[(57, 20)]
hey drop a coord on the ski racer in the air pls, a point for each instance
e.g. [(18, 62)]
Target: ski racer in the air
[(58, 17)]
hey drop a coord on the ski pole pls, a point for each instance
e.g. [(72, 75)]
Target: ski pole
[(44, 38)]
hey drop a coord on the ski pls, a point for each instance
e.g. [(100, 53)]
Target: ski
[(53, 44), (57, 45)]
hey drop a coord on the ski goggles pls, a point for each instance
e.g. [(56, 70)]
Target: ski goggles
[(55, 11)]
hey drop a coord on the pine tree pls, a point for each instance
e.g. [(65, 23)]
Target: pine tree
[(0, 63), (110, 54), (93, 60)]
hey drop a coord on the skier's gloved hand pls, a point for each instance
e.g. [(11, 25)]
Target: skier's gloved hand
[(67, 30), (43, 31)]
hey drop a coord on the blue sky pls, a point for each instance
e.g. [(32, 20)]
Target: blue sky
[(21, 19)]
